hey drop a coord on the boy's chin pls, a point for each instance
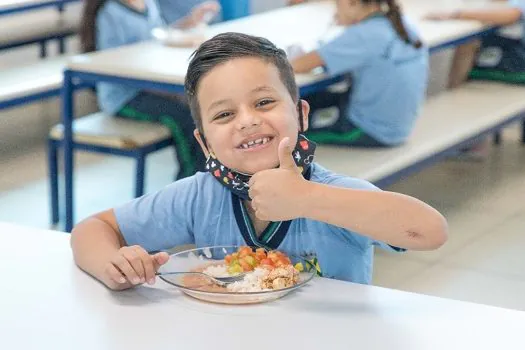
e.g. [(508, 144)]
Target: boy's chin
[(252, 169)]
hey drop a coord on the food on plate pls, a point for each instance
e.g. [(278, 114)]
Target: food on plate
[(263, 271)]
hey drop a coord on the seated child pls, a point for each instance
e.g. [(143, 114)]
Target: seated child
[(499, 56), (262, 187), (109, 24), (389, 72)]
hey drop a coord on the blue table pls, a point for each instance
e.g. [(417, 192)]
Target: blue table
[(75, 77), (33, 5)]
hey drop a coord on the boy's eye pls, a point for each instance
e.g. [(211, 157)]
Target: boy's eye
[(222, 115), (264, 102)]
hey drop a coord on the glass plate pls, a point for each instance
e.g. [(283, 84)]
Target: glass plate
[(197, 287)]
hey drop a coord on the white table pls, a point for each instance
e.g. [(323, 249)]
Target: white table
[(14, 6), (156, 62), (48, 303)]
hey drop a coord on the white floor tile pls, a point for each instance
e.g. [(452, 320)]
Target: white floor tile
[(468, 285), (391, 269), (500, 251)]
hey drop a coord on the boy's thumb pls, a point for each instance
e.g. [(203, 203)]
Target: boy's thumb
[(285, 155)]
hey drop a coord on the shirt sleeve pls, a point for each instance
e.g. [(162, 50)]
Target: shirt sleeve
[(362, 241), (161, 220), (345, 53)]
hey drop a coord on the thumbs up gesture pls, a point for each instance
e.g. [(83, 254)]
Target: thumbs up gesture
[(277, 193)]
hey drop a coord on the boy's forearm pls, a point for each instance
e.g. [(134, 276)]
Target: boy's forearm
[(495, 17), (94, 243), (392, 218)]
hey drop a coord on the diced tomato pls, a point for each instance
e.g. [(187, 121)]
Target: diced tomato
[(245, 265), (285, 260), (244, 251), (228, 259), (267, 262), (260, 252)]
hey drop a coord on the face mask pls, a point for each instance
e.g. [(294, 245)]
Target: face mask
[(237, 182)]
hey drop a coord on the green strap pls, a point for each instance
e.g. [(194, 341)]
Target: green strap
[(333, 137), (509, 77)]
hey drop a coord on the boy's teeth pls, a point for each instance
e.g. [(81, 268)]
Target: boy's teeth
[(250, 144)]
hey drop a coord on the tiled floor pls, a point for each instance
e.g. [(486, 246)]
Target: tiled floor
[(483, 260)]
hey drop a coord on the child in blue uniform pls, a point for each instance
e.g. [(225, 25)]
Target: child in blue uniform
[(499, 57), (112, 23), (261, 186), (389, 71)]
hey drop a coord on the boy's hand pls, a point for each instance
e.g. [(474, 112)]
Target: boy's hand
[(133, 265), (275, 192)]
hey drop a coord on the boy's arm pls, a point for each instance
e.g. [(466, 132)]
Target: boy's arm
[(94, 242), (398, 220), (500, 17), (100, 250)]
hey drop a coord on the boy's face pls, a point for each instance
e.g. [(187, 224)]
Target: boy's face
[(246, 111)]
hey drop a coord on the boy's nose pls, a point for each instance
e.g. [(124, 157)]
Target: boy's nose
[(247, 119)]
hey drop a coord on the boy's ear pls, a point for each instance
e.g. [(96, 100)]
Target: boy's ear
[(202, 143), (304, 113)]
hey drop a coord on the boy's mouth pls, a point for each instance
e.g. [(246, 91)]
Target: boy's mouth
[(255, 142)]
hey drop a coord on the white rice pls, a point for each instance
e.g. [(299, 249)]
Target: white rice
[(252, 281), (217, 271)]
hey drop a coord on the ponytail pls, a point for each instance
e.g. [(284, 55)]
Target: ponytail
[(394, 15), (88, 37)]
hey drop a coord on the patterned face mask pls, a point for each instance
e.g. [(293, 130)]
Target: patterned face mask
[(237, 182)]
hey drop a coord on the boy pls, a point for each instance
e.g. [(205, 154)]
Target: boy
[(244, 100)]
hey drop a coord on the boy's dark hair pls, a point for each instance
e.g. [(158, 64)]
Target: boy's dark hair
[(394, 15), (226, 47)]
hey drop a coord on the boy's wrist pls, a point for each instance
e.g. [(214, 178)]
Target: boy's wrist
[(311, 197)]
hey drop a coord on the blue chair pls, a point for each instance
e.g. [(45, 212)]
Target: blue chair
[(101, 133)]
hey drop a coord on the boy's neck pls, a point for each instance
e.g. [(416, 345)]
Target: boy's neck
[(259, 225)]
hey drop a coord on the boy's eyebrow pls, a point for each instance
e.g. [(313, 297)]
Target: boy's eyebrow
[(261, 88), (217, 103)]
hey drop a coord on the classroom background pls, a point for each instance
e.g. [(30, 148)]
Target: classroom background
[(483, 200)]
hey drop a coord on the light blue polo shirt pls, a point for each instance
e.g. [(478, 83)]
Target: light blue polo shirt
[(389, 77), (199, 210), (118, 24)]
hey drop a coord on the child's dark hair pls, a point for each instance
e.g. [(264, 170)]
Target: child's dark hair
[(87, 31), (394, 14), (226, 47)]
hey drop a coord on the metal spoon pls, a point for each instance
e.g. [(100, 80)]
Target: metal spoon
[(221, 281)]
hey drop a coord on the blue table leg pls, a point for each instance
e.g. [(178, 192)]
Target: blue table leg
[(497, 138), (53, 180), (232, 9), (523, 132), (67, 121), (43, 49)]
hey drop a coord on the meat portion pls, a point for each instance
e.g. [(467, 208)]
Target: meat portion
[(281, 277)]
